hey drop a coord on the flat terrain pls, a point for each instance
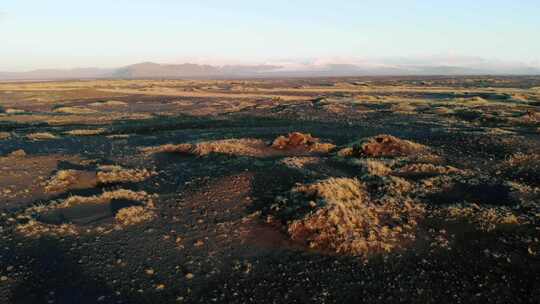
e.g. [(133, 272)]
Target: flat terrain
[(335, 190)]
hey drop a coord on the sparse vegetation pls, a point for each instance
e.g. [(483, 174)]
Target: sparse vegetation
[(523, 166), (121, 175), (344, 219), (293, 144), (447, 192)]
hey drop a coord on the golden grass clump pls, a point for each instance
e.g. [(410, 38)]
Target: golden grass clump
[(384, 146), (424, 170), (106, 197), (294, 144), (5, 135), (34, 229), (41, 136), (14, 111), (17, 153), (75, 110), (300, 162), (70, 179), (121, 175), (133, 215), (484, 218), (85, 132), (247, 147), (348, 222), (375, 167)]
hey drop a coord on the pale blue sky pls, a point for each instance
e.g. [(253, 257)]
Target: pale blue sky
[(70, 33)]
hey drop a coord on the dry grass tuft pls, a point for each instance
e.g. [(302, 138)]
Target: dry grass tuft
[(116, 174), (344, 219), (484, 218), (375, 167), (75, 110), (106, 197), (134, 215), (424, 170), (384, 146), (34, 229), (246, 147), (70, 179), (41, 136), (294, 144), (15, 111), (5, 135), (300, 162), (17, 153), (85, 132)]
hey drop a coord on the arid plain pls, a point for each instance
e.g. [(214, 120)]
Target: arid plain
[(322, 190)]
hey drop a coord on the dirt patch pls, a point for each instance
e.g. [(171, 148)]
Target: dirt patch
[(482, 193), (24, 176)]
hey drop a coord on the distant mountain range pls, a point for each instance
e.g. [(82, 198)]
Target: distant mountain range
[(189, 70)]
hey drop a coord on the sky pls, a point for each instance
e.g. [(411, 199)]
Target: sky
[(36, 34)]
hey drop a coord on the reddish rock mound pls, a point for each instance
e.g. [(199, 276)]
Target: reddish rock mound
[(384, 146), (301, 141)]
